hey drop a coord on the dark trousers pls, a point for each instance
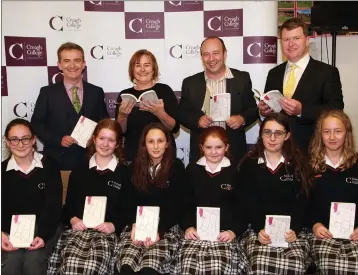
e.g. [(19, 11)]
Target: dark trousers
[(28, 262)]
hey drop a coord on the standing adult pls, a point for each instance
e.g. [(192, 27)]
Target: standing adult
[(217, 78), (143, 72), (59, 107), (309, 86)]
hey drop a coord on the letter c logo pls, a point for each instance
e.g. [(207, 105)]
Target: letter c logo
[(11, 48), (209, 23), (176, 56), (132, 22), (249, 49)]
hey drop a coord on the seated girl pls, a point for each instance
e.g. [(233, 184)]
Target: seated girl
[(274, 180), (334, 159), (156, 175), (83, 250), (30, 185), (211, 182)]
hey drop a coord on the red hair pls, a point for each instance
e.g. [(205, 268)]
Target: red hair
[(217, 132)]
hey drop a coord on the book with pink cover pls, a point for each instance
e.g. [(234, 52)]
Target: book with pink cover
[(276, 227), (94, 211), (341, 221), (208, 223), (147, 222), (271, 98)]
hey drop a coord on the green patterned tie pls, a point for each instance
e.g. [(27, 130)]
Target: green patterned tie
[(75, 99)]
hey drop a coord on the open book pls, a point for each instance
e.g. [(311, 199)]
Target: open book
[(220, 107), (146, 223), (94, 211), (271, 98), (276, 226), (22, 230), (208, 223), (150, 96), (341, 221), (83, 131)]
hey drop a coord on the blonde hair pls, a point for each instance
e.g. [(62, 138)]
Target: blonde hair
[(317, 148)]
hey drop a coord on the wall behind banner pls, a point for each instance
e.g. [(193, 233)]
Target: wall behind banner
[(111, 31)]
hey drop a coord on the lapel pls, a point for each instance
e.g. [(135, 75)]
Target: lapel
[(305, 80), (201, 90), (230, 85), (280, 76), (86, 95)]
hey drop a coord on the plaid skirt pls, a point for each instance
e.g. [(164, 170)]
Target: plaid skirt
[(266, 260), (335, 256), (159, 256), (206, 257), (84, 252)]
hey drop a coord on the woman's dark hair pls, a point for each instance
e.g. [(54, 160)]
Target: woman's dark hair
[(112, 125), (15, 122), (141, 176), (290, 151)]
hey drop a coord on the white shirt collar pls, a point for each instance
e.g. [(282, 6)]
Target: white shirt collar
[(36, 162), (111, 165), (302, 63), (225, 162), (268, 164), (329, 162), (228, 75)]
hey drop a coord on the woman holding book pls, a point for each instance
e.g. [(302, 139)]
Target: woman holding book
[(275, 180), (210, 183), (30, 185), (132, 116), (334, 160), (100, 184), (156, 175)]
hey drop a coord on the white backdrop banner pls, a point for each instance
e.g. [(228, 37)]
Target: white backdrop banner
[(111, 31)]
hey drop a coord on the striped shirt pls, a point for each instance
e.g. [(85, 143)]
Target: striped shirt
[(215, 87)]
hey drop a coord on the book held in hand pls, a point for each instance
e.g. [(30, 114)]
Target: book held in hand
[(94, 211), (276, 227), (220, 107), (22, 230), (83, 131), (271, 98), (150, 96), (147, 222), (208, 223), (341, 221)]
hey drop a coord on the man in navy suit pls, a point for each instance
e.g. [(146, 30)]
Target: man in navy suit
[(217, 79), (309, 86), (59, 106)]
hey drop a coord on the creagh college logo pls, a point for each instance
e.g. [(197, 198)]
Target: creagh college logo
[(179, 6), (109, 6), (101, 52), (180, 51), (144, 25), (25, 51), (223, 23), (260, 49), (65, 23)]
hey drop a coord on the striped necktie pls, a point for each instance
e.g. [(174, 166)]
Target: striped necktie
[(289, 88), (76, 100)]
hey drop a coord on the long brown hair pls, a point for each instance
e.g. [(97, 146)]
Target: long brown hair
[(141, 177), (317, 148), (290, 152), (112, 125)]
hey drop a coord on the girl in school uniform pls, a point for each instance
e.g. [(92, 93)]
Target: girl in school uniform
[(31, 184), (82, 250), (274, 180), (211, 182), (156, 175), (334, 160)]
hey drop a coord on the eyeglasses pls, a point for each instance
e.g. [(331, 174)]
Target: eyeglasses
[(16, 141), (277, 134)]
